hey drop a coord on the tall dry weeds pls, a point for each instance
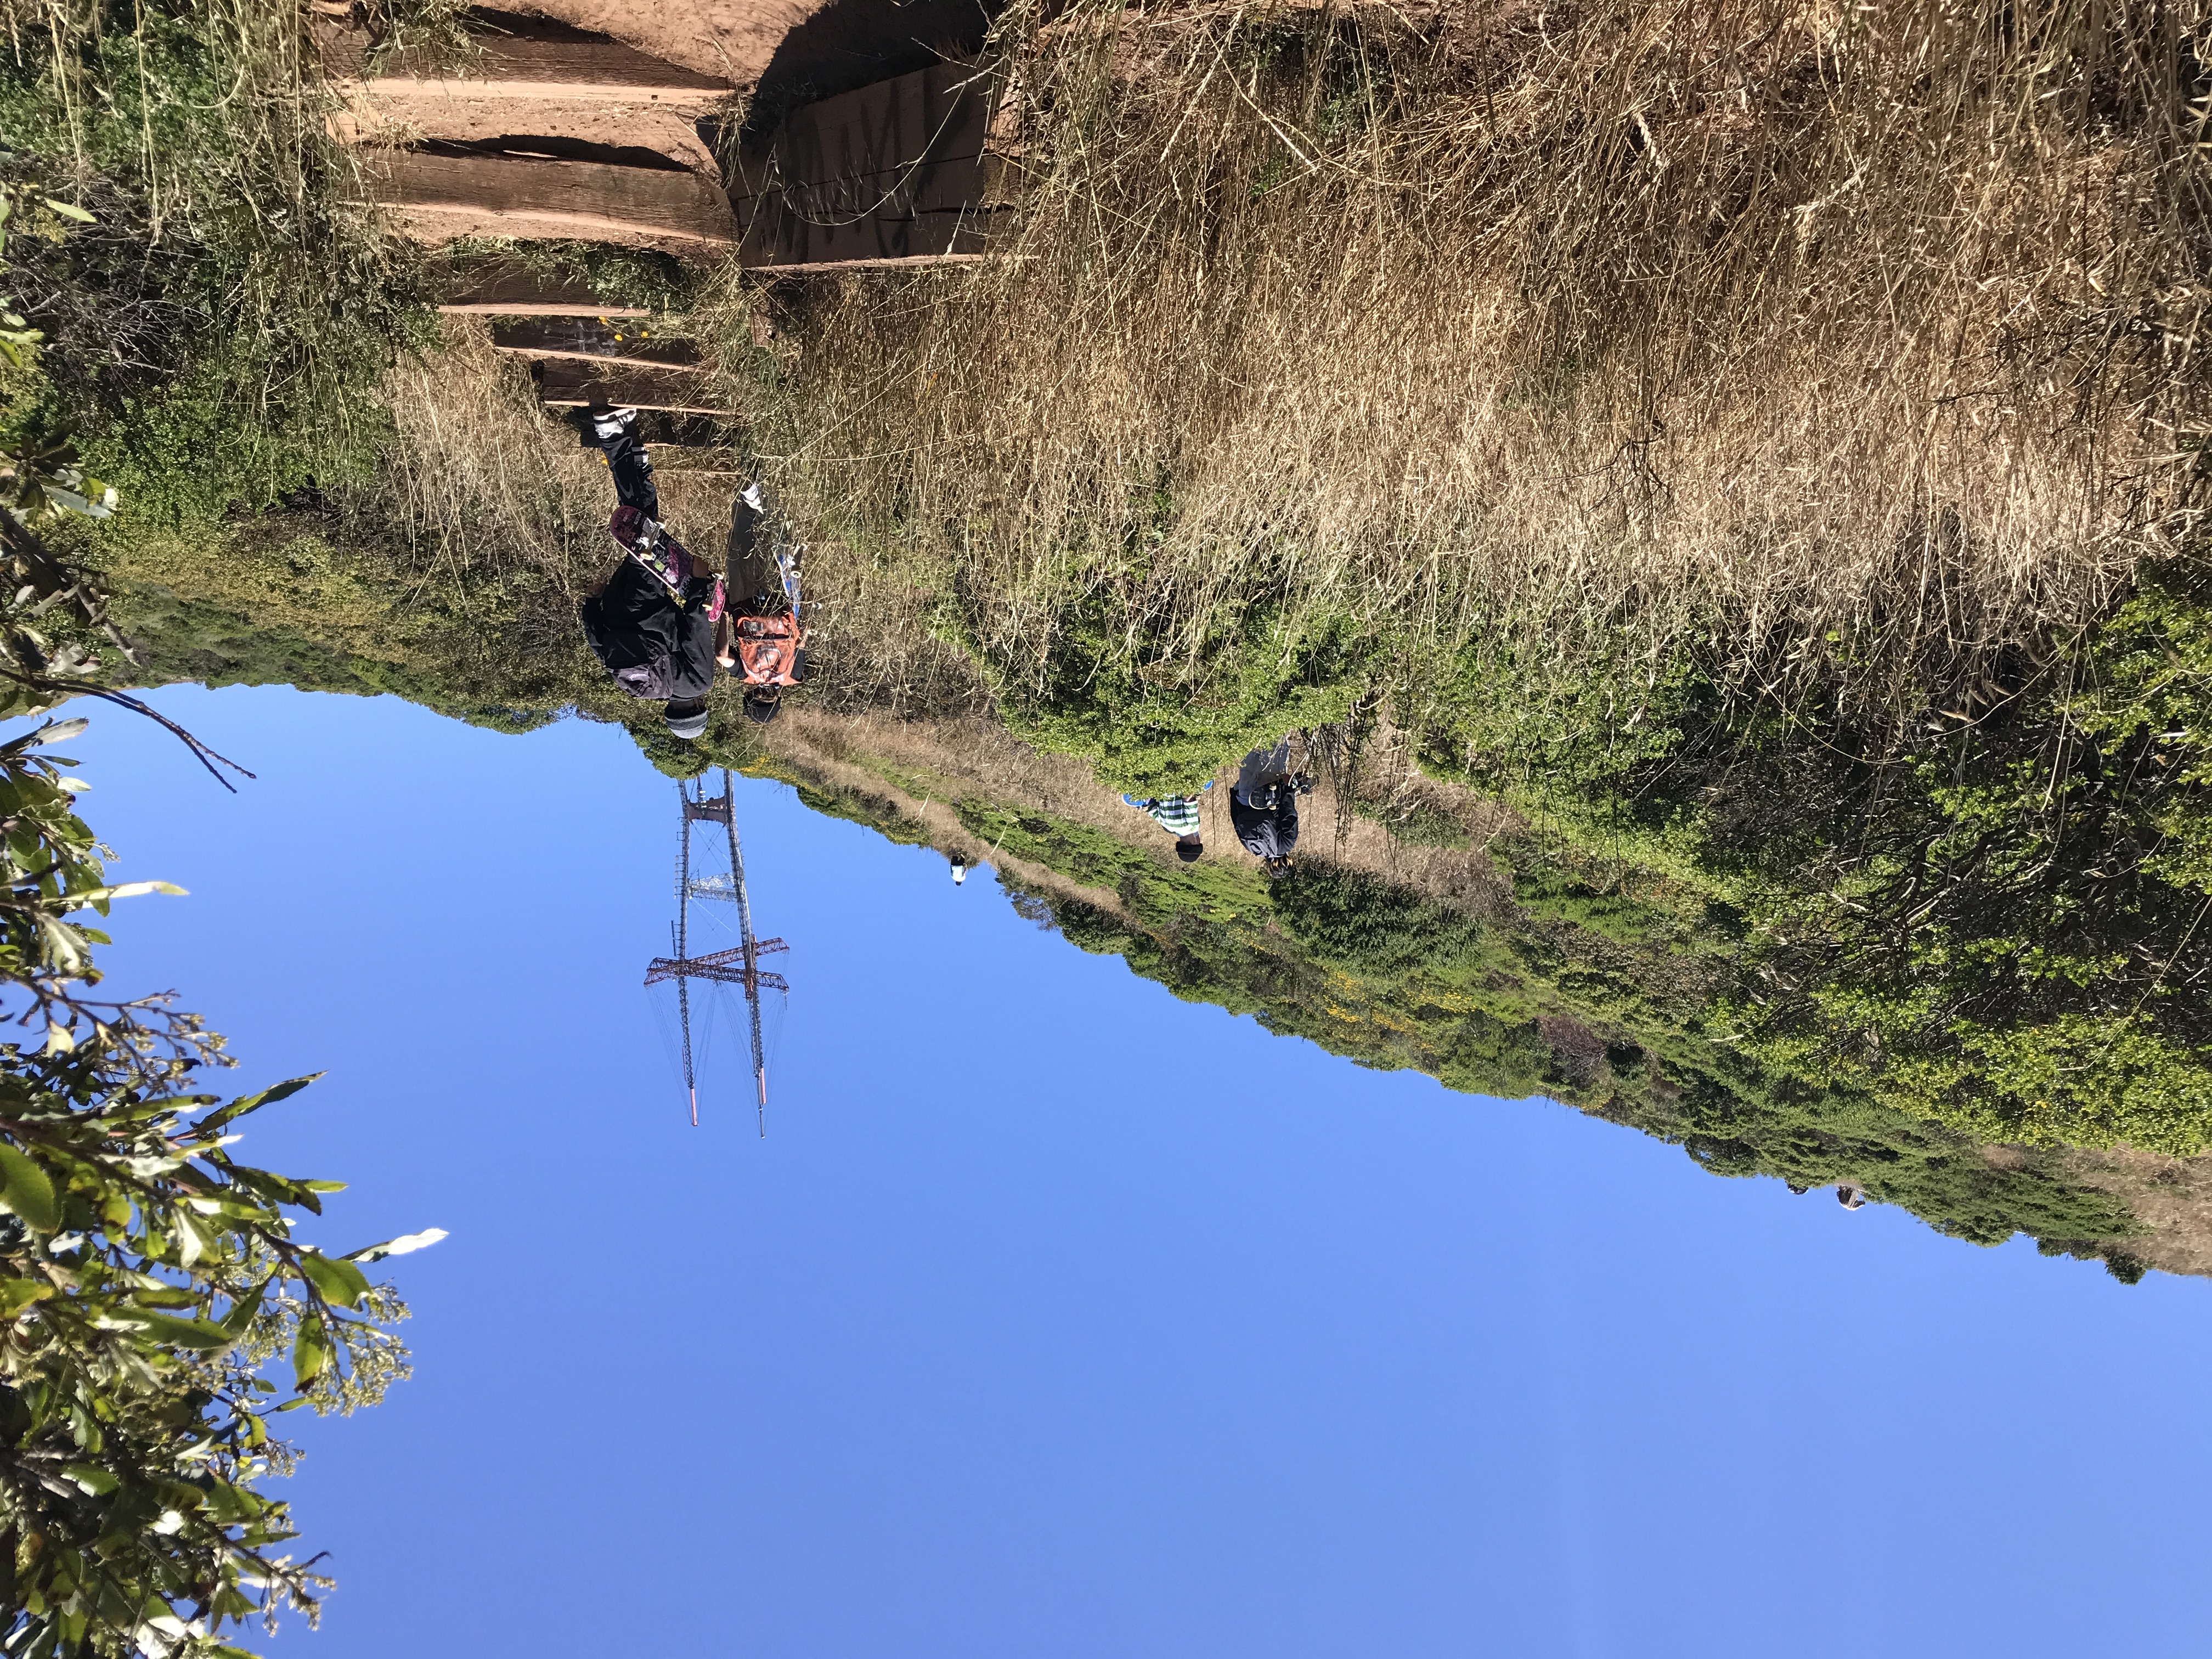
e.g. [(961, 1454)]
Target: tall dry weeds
[(489, 501), (231, 252), (1856, 340)]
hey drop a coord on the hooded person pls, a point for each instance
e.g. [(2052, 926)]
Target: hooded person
[(1263, 806), (652, 621), (765, 645)]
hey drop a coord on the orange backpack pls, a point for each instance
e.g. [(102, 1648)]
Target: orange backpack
[(767, 648)]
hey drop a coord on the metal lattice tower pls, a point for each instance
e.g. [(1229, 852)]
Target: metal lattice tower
[(740, 966)]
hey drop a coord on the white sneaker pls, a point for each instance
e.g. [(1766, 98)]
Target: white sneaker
[(613, 424), (752, 497)]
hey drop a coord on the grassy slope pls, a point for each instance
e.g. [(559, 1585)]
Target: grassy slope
[(1171, 585), (1586, 996), (1643, 401), (1549, 1005)]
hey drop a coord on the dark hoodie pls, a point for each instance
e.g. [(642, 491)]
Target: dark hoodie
[(1268, 824), (652, 648)]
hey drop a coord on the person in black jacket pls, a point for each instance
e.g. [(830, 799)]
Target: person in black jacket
[(656, 622), (1263, 806)]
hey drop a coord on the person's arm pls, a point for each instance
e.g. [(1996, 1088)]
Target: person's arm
[(724, 654)]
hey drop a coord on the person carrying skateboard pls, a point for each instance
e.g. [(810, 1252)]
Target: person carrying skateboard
[(657, 621), (1263, 805)]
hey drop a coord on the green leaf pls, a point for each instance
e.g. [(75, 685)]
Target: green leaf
[(167, 1295), (17, 1294), (25, 1189), (268, 1096), (239, 1319), (94, 1479), (195, 1334), (232, 1506), (339, 1281), (311, 1353), (405, 1244), (67, 209)]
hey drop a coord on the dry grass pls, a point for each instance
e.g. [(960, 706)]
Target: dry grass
[(1863, 340), (234, 294), (487, 494), (485, 486)]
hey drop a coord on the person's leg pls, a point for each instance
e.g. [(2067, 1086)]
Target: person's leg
[(614, 433), (632, 466), (752, 574)]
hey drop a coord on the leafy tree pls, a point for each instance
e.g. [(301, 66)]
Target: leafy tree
[(145, 1280)]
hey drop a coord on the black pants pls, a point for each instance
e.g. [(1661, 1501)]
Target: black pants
[(755, 586), (633, 469), (1263, 805)]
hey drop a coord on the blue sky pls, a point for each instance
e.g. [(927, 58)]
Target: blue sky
[(1056, 1318)]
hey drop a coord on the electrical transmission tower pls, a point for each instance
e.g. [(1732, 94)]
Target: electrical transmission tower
[(698, 883)]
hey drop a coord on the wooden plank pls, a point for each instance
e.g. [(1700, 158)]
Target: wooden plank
[(939, 113), (943, 186), (566, 383), (886, 174), (931, 115), (571, 308), (616, 358), (940, 186), (529, 55), (508, 292), (900, 262), (783, 239), (587, 340), (586, 197)]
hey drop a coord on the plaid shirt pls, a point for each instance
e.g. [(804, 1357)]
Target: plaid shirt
[(1177, 814)]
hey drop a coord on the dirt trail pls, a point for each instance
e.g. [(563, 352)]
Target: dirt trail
[(731, 40), (535, 81)]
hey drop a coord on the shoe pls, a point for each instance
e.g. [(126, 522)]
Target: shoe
[(752, 497), (610, 424)]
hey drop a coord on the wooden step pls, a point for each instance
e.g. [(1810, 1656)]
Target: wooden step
[(566, 383), (945, 187), (441, 195), (779, 236), (939, 113), (510, 291), (589, 340), (519, 57)]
